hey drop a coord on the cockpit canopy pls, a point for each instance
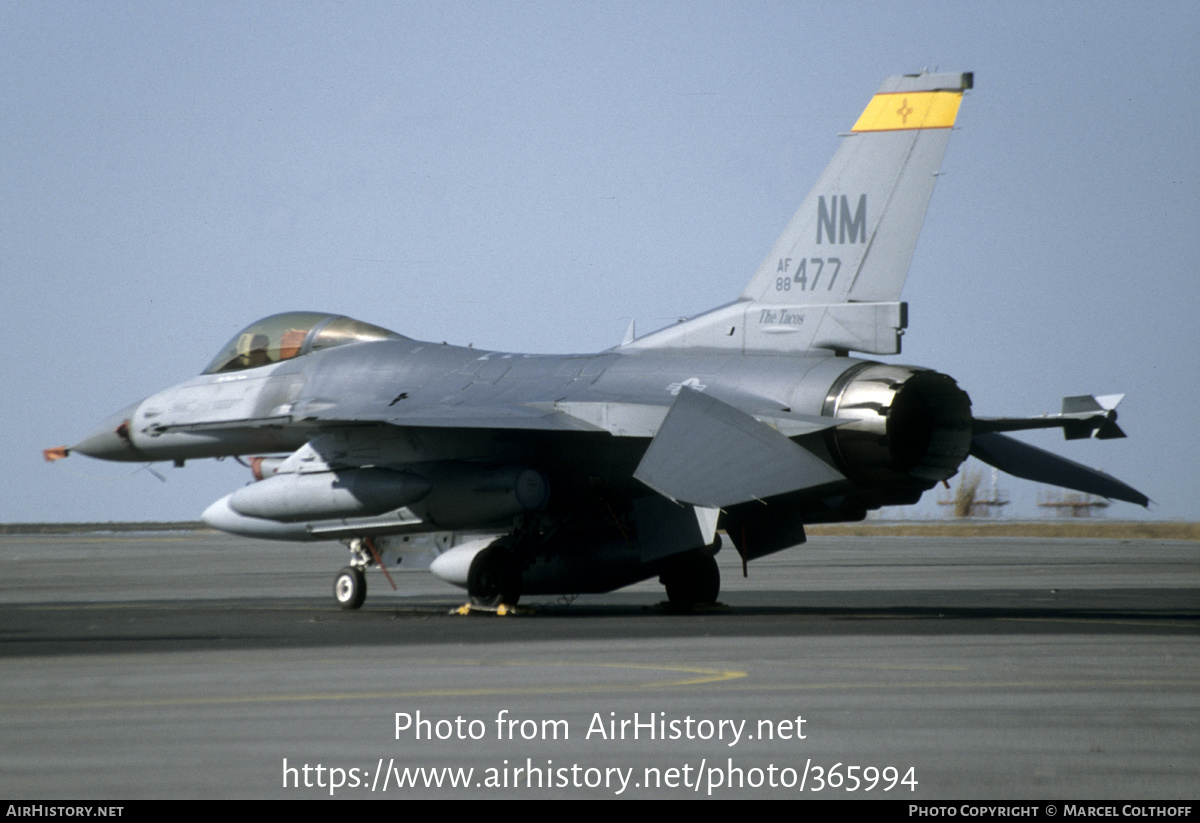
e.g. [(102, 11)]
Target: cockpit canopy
[(291, 334)]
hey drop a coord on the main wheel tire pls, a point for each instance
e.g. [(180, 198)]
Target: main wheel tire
[(493, 578), (350, 588), (692, 580)]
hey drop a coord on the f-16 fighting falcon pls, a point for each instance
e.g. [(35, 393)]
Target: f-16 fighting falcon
[(537, 474)]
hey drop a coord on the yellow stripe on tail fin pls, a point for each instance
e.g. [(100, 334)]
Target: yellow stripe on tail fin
[(896, 111)]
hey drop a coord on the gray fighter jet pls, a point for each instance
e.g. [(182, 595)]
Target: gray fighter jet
[(529, 474)]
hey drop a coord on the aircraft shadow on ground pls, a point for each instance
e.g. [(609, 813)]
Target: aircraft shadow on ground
[(64, 629)]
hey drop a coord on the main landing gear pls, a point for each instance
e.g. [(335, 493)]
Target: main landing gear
[(692, 579), (494, 578)]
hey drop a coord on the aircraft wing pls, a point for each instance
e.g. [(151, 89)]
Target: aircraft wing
[(620, 419), (414, 411), (703, 451), (533, 416)]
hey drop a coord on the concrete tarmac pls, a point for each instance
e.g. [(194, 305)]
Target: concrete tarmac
[(194, 665)]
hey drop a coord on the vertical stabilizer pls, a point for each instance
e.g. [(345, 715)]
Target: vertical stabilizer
[(854, 235), (833, 278)]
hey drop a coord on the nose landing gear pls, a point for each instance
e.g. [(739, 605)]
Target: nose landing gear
[(350, 585), (350, 588)]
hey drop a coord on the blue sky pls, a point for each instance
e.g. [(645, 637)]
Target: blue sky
[(530, 176)]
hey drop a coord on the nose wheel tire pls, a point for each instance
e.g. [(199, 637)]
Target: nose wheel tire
[(350, 588)]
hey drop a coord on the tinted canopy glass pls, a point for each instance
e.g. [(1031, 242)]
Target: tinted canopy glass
[(284, 336)]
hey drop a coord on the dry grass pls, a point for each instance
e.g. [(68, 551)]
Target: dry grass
[(1066, 527), (1094, 529), (78, 528)]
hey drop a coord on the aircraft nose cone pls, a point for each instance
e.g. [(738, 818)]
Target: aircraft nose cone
[(110, 441)]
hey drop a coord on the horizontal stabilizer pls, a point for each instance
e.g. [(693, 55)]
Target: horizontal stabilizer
[(709, 454), (1031, 463)]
